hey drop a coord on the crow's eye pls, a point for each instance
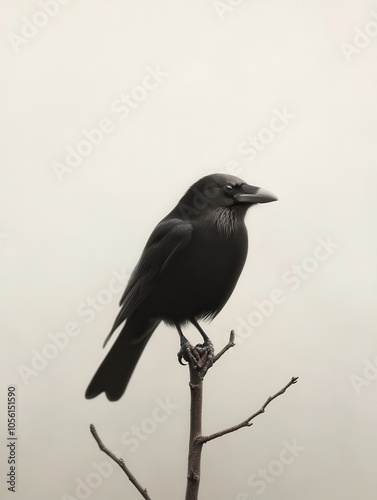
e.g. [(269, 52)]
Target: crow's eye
[(228, 188)]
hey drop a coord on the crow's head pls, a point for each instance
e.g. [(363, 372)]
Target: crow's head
[(226, 191)]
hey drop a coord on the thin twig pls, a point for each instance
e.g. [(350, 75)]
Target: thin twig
[(120, 462), (248, 421), (230, 344)]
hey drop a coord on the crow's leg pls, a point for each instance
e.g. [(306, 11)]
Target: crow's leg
[(186, 351), (206, 348)]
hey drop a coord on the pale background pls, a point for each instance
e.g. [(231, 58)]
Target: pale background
[(61, 242)]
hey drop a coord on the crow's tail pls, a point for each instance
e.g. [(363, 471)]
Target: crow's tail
[(116, 369)]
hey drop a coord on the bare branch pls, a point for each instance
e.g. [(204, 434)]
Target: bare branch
[(120, 462), (248, 421), (195, 448), (230, 344)]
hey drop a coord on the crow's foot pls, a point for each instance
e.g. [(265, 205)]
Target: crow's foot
[(206, 353), (188, 353)]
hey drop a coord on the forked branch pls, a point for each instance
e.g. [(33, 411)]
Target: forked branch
[(198, 369), (197, 440)]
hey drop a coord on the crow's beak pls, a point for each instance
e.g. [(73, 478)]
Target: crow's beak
[(254, 194)]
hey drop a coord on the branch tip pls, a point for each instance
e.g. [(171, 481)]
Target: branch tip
[(230, 344), (120, 462), (248, 422)]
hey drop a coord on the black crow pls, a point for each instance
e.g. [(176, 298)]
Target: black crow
[(186, 273)]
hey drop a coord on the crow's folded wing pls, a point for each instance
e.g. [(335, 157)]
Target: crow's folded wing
[(167, 239)]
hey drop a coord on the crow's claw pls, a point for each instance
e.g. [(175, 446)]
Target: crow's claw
[(188, 353), (180, 356)]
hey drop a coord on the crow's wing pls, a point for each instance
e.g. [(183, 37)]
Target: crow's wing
[(167, 239)]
